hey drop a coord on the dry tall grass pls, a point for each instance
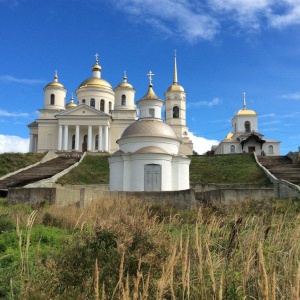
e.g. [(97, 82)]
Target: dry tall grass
[(239, 251)]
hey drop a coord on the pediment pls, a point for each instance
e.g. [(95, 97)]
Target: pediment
[(82, 110)]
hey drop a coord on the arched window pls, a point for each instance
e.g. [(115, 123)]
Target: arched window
[(247, 126), (109, 106), (270, 149), (83, 101), (92, 102), (232, 148), (176, 112), (52, 99), (73, 142), (96, 142), (151, 112), (123, 100), (102, 105)]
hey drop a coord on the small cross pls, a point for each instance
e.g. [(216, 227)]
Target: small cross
[(175, 51), (244, 100), (150, 74), (96, 55)]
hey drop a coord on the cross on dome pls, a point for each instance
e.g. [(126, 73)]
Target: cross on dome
[(96, 55), (150, 74)]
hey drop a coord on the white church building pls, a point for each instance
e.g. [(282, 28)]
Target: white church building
[(149, 158), (100, 115), (245, 137)]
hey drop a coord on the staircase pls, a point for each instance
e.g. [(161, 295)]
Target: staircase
[(282, 168), (39, 172)]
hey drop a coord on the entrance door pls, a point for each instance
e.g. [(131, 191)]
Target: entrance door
[(152, 178), (251, 149)]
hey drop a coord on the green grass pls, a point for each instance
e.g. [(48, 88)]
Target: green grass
[(10, 162), (226, 169), (93, 169)]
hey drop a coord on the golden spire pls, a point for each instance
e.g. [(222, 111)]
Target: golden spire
[(175, 80)]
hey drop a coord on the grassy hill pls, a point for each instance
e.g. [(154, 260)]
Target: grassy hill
[(10, 162), (224, 169)]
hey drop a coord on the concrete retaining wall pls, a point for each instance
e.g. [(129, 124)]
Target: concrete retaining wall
[(85, 195)]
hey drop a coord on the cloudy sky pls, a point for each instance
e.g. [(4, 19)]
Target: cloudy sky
[(224, 48)]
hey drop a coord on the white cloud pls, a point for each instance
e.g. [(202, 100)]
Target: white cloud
[(202, 20), (9, 79), (183, 18), (201, 145), (10, 143), (292, 96), (4, 113), (215, 101)]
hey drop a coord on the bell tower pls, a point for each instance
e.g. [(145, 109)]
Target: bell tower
[(176, 112)]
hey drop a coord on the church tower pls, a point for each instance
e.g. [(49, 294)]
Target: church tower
[(176, 112), (55, 95)]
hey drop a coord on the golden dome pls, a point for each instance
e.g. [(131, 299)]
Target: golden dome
[(124, 83), (150, 95), (229, 136), (71, 104), (95, 82), (96, 67), (148, 128), (55, 82), (175, 88), (246, 112)]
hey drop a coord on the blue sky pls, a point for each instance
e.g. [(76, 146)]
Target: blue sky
[(224, 48)]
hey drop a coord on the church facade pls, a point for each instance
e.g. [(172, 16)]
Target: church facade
[(245, 137), (100, 115)]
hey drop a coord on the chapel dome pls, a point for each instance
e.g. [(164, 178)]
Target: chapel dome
[(95, 83), (55, 82), (152, 128), (124, 83), (71, 104), (246, 112)]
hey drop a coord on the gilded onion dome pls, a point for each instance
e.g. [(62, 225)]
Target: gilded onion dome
[(55, 82), (96, 81), (124, 83), (71, 104), (175, 87), (150, 95)]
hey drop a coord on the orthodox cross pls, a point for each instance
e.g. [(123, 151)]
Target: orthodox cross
[(96, 55), (150, 74)]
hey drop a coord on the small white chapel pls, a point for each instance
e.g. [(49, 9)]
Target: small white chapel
[(245, 137), (96, 120), (149, 158)]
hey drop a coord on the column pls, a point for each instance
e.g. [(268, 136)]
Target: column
[(89, 145), (77, 138), (106, 138), (59, 142), (100, 142), (66, 135), (31, 143)]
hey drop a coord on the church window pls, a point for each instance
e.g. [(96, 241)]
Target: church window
[(102, 105), (247, 126), (109, 106), (232, 148), (83, 101), (176, 112), (73, 142), (123, 100), (151, 112), (52, 99), (92, 102), (270, 149), (96, 142)]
